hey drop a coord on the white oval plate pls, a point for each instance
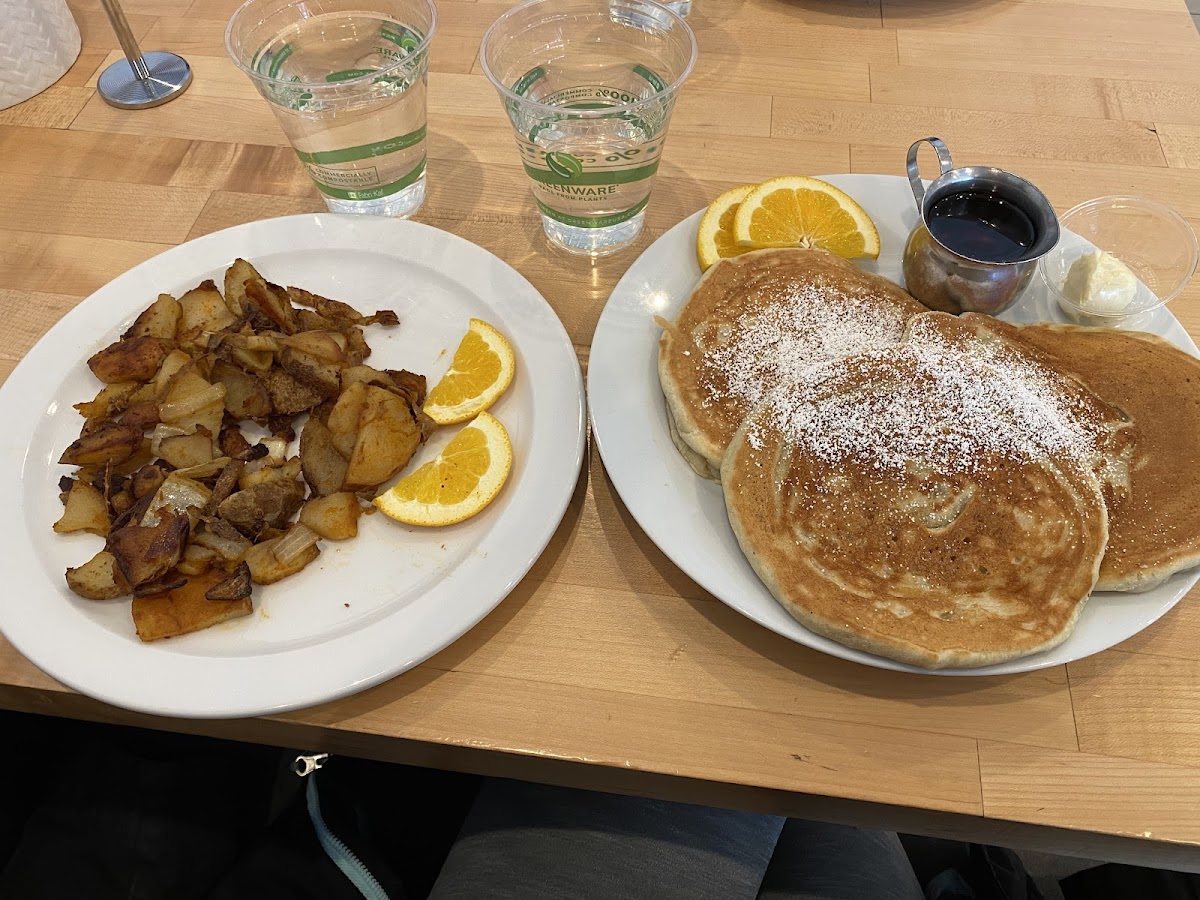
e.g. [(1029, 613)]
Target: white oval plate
[(368, 608), (685, 514)]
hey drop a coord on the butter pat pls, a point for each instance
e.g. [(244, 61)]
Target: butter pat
[(1100, 283)]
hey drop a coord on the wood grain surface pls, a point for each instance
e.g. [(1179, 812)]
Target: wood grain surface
[(607, 667)]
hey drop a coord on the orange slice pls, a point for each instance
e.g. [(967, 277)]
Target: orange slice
[(482, 369), (459, 482), (798, 211), (715, 240)]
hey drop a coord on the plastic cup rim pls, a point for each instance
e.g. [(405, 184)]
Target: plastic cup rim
[(607, 112), (258, 77)]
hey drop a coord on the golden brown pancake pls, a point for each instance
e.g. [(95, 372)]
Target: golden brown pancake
[(759, 320), (934, 503), (1117, 434), (1154, 531)]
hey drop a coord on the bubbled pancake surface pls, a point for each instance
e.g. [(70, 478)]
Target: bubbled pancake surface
[(932, 503), (759, 320), (1155, 530)]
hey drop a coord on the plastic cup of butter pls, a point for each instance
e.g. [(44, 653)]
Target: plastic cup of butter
[(1119, 259)]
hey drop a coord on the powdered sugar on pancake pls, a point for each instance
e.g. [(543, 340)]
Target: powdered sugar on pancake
[(946, 400), (805, 329)]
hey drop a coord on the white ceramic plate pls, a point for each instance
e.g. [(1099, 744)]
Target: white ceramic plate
[(685, 514), (368, 608)]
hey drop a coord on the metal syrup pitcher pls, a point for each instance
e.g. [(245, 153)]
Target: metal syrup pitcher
[(981, 234)]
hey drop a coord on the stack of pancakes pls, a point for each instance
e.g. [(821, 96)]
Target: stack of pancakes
[(942, 491)]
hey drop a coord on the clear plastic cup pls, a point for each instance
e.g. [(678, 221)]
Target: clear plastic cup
[(589, 86), (1152, 240), (347, 80)]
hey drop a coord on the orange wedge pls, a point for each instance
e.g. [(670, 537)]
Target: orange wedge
[(715, 240), (798, 211), (482, 369), (459, 482)]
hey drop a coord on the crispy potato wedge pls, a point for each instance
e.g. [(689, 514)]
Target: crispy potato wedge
[(268, 505), (146, 480), (109, 443), (86, 510), (191, 402), (312, 372), (289, 396), (266, 569), (326, 346), (237, 586), (111, 400), (160, 319), (344, 417), (143, 415), (334, 517), (131, 359), (366, 375), (186, 609), (171, 365), (236, 277), (183, 451), (187, 383), (245, 395), (252, 360), (272, 301), (98, 579), (388, 436), (323, 467), (144, 553), (203, 309)]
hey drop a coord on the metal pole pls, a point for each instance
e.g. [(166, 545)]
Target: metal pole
[(142, 80)]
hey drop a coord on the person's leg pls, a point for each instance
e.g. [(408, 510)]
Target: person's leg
[(819, 861), (531, 841)]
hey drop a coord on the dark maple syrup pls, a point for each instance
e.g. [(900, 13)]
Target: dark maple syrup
[(980, 225)]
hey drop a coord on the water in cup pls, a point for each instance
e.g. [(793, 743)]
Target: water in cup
[(592, 176), (348, 85), (589, 89)]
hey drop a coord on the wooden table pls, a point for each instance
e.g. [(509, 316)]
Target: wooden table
[(607, 667)]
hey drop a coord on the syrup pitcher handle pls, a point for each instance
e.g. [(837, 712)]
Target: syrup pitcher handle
[(914, 171)]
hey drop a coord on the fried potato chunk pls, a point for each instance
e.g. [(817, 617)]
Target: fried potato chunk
[(324, 468), (86, 510), (109, 443), (98, 579), (388, 436), (185, 609), (334, 517), (160, 319), (130, 359), (146, 552), (265, 567)]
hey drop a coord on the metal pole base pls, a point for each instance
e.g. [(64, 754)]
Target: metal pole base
[(170, 76)]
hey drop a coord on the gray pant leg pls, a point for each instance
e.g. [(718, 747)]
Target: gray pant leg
[(818, 861), (533, 842)]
